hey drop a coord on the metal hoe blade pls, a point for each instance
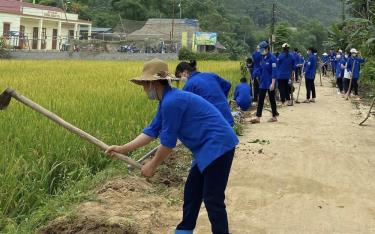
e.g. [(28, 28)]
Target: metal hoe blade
[(5, 99)]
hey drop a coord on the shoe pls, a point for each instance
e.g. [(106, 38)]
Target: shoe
[(272, 120), (306, 101), (312, 100), (255, 121), (290, 103)]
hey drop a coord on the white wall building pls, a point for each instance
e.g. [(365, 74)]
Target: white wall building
[(37, 27)]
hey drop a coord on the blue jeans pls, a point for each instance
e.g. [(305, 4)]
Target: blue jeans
[(209, 187)]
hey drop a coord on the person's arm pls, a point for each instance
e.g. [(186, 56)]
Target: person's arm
[(168, 134), (235, 93), (149, 134), (361, 60), (149, 169), (138, 142)]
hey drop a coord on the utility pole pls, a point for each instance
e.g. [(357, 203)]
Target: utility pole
[(272, 26), (174, 2)]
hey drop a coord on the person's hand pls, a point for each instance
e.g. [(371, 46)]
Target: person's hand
[(272, 87), (116, 149), (148, 170)]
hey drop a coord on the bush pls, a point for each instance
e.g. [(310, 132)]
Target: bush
[(4, 53), (185, 54)]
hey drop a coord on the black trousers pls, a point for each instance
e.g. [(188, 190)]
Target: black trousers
[(339, 84), (325, 68), (255, 89), (284, 90), (262, 96), (353, 88), (310, 89), (297, 72), (208, 186)]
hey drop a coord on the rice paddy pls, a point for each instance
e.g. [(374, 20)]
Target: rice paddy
[(38, 159)]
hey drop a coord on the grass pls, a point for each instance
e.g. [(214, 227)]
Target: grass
[(44, 168)]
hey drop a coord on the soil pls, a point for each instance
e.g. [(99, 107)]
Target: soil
[(311, 172)]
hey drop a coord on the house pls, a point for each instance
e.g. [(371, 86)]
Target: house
[(31, 26), (180, 32)]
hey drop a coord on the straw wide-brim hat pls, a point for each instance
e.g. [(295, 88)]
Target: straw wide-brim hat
[(154, 70)]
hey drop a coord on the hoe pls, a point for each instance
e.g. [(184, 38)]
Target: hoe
[(9, 93)]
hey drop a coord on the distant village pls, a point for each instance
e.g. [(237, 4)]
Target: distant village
[(33, 27)]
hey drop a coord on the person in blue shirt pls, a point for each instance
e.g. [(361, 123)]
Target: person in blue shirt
[(257, 58), (298, 65), (268, 75), (310, 72), (242, 95), (210, 86), (353, 67), (332, 59), (250, 66), (325, 61), (201, 128), (285, 72), (340, 62)]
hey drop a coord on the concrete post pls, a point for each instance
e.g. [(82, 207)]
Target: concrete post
[(40, 34), (89, 32), (76, 31), (59, 39)]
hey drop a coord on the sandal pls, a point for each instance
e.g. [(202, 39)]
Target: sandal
[(272, 120), (254, 121)]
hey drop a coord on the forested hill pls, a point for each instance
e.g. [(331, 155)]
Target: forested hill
[(295, 12)]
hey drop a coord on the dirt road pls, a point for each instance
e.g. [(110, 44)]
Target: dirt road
[(314, 173)]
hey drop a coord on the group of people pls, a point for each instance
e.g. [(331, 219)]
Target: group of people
[(200, 117), (270, 72), (345, 68)]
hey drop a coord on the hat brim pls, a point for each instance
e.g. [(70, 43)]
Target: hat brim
[(141, 80)]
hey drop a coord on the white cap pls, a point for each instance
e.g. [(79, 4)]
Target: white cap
[(340, 51), (325, 54), (353, 51), (285, 45)]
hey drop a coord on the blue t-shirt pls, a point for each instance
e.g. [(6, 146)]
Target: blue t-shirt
[(268, 71), (325, 59), (257, 59), (310, 67), (339, 70), (196, 123), (285, 66), (214, 89), (242, 96), (357, 66)]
